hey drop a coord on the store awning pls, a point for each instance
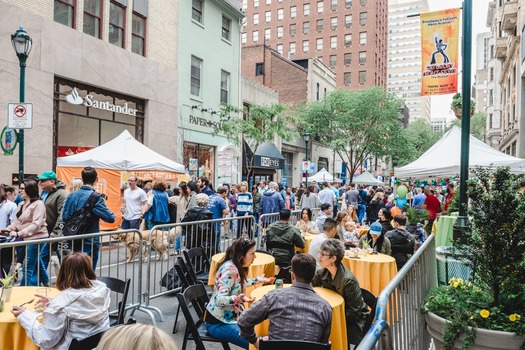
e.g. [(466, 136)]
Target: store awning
[(267, 156)]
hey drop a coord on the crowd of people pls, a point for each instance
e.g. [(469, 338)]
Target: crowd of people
[(42, 207)]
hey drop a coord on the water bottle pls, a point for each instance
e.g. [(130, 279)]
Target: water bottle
[(279, 283)]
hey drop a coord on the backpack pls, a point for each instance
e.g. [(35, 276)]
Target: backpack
[(171, 280), (79, 221)]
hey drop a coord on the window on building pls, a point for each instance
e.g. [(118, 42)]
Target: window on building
[(347, 78), (333, 61), (348, 40), (280, 14), (348, 4), (280, 49), (348, 21), (196, 74), (363, 18), (280, 32), (319, 44), (226, 28), (333, 42), (306, 45), (259, 69), (268, 2), (117, 24), (293, 11), (244, 38), (323, 163), (362, 38), (334, 5), (362, 57), (317, 91), (255, 3), (362, 77), (320, 25), (64, 12), (138, 34), (306, 27), (268, 16), (255, 18), (348, 59), (363, 2), (244, 4), (306, 9), (292, 48), (333, 23), (320, 6), (225, 87), (267, 34), (92, 17), (196, 10), (491, 121), (292, 29), (255, 36)]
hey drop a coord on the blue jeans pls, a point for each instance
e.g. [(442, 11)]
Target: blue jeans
[(34, 269), (130, 224), (229, 332), (361, 209), (91, 247)]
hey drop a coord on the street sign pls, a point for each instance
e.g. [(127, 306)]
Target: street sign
[(8, 140), (20, 115)]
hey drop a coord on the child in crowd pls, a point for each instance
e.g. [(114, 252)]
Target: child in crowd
[(351, 236)]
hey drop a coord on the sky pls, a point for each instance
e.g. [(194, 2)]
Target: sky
[(441, 104)]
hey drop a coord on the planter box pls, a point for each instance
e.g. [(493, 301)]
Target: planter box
[(484, 340)]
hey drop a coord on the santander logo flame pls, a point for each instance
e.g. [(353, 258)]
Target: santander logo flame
[(74, 98)]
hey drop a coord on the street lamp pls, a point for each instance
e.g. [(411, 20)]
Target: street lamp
[(22, 43), (306, 136)]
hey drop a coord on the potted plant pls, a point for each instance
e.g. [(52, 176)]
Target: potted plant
[(6, 285), (457, 105), (489, 311), (416, 218)]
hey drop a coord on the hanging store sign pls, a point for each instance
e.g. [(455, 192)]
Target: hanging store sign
[(74, 98), (9, 140), (439, 52)]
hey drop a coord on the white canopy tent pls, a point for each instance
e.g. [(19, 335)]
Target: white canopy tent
[(122, 153), (323, 175), (443, 158), (366, 179)]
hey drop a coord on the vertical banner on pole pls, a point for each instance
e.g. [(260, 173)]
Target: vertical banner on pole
[(439, 52)]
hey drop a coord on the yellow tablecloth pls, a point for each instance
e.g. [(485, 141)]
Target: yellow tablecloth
[(307, 240), (373, 272), (12, 335), (338, 334), (263, 264)]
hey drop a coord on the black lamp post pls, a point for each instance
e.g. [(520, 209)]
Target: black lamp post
[(306, 136), (22, 43)]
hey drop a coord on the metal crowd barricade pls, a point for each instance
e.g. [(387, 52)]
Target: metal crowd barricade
[(109, 264), (399, 322), (267, 219)]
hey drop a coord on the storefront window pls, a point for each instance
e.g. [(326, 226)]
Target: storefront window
[(86, 117), (199, 160), (287, 173)]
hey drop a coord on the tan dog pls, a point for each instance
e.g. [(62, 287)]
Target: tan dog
[(159, 241)]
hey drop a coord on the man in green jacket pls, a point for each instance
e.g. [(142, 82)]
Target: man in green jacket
[(284, 233), (53, 195)]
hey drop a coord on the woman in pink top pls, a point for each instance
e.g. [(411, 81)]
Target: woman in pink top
[(30, 224)]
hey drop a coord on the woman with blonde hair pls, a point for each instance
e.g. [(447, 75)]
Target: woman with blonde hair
[(352, 213), (136, 336), (76, 183), (342, 217)]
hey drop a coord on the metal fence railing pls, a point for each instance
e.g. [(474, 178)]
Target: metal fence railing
[(399, 322)]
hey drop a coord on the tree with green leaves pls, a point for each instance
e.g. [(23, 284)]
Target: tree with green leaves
[(254, 126), (477, 125), (356, 124), (420, 137)]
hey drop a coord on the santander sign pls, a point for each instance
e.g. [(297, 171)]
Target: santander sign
[(75, 99)]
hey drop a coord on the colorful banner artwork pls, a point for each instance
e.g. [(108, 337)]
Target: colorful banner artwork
[(439, 52)]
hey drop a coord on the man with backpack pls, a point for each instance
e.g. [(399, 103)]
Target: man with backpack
[(81, 214), (402, 242)]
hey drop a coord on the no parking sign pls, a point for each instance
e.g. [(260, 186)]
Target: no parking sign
[(20, 115)]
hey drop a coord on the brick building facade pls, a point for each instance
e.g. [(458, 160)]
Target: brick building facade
[(349, 36)]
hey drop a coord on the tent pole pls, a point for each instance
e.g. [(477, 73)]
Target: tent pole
[(461, 224)]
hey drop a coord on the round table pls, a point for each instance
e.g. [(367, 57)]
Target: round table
[(12, 335), (307, 240), (373, 272), (338, 333), (263, 264)]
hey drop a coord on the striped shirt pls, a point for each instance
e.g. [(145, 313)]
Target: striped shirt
[(244, 203)]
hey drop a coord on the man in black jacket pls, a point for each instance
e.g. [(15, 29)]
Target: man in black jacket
[(402, 241)]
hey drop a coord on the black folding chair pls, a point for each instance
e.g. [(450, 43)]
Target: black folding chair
[(198, 261), (371, 301), (195, 328), (292, 345), (121, 287), (284, 271), (88, 343)]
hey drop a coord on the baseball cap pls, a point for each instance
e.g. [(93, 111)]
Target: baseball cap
[(376, 228), (47, 175)]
